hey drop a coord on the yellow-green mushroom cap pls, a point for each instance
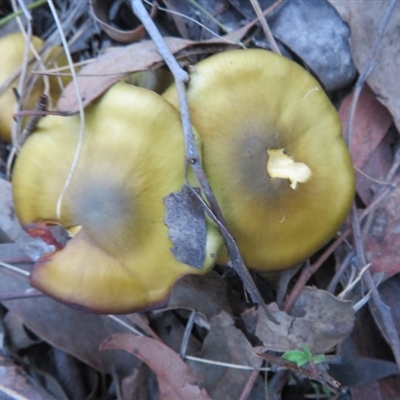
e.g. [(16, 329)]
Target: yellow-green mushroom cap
[(132, 158), (273, 152), (12, 48)]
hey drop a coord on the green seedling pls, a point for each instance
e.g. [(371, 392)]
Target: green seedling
[(303, 357)]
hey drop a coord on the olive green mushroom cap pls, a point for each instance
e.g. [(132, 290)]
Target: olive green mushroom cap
[(273, 152), (12, 48), (132, 158)]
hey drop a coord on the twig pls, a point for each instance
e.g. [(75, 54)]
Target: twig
[(16, 14), (353, 281), (335, 280), (41, 106), (14, 268), (310, 270), (265, 26), (191, 154), (283, 283), (20, 294), (249, 385), (224, 364), (127, 326), (186, 335)]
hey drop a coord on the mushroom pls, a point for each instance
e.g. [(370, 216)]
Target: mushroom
[(132, 157), (273, 152), (157, 80), (12, 48)]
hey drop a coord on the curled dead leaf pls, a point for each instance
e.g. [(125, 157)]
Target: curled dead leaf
[(318, 320), (101, 10), (175, 379)]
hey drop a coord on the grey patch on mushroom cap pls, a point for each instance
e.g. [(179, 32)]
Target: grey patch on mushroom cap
[(186, 221), (251, 166), (106, 212)]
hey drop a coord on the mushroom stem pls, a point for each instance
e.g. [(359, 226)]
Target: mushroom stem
[(282, 166)]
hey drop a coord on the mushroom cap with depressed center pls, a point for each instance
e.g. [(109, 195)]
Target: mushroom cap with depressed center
[(12, 48), (132, 158), (273, 152)]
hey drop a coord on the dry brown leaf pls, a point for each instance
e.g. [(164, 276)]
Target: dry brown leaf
[(382, 241), (112, 66), (225, 343), (205, 294), (76, 332), (16, 384), (18, 335), (318, 320), (119, 62), (370, 124), (365, 18), (374, 171), (175, 379), (101, 10), (390, 294)]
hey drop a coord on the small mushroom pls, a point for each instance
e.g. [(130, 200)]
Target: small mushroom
[(274, 154), (12, 48), (120, 259)]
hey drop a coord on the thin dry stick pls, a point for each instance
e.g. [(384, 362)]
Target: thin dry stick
[(192, 157), (283, 283), (249, 384), (224, 364), (81, 112), (127, 326), (21, 294), (335, 280), (265, 26), (186, 335), (14, 268)]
